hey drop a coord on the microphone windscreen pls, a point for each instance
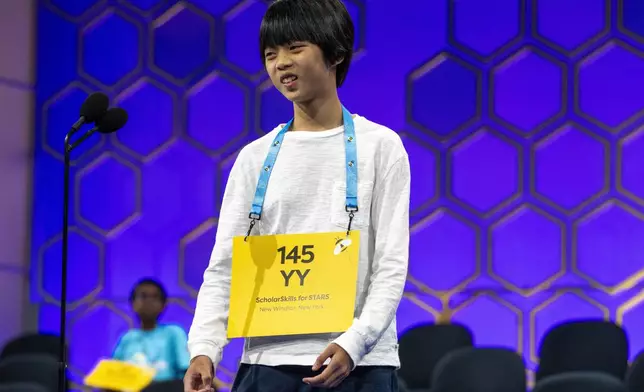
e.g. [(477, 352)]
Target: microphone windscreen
[(113, 120), (94, 107)]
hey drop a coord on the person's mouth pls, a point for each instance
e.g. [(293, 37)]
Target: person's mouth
[(288, 80)]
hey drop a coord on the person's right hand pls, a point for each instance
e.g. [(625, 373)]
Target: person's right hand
[(199, 376)]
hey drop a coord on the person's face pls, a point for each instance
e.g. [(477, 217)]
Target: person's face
[(148, 302), (299, 72)]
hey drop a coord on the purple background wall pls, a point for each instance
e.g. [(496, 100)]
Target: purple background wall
[(522, 120)]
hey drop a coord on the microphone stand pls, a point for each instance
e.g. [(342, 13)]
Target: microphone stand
[(62, 387), (69, 147)]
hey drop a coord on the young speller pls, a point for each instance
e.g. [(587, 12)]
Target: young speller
[(153, 344), (330, 172)]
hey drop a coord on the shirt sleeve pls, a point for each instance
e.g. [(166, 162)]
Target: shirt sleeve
[(180, 342), (207, 335), (119, 350), (390, 220)]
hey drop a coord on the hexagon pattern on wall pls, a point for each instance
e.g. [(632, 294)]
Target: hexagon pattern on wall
[(524, 143)]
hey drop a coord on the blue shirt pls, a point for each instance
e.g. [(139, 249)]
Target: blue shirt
[(163, 348)]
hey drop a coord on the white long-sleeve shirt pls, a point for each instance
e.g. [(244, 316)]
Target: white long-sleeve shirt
[(306, 194)]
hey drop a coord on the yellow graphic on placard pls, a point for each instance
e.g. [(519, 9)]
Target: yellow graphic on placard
[(290, 284), (116, 375)]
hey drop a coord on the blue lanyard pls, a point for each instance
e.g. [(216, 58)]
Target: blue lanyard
[(351, 205)]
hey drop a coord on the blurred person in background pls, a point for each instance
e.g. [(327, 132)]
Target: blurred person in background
[(160, 346)]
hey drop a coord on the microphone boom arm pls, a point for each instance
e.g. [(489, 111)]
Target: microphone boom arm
[(77, 125), (87, 135)]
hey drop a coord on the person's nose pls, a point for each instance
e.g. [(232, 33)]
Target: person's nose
[(284, 61)]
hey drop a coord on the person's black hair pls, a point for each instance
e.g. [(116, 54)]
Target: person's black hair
[(151, 282), (325, 23)]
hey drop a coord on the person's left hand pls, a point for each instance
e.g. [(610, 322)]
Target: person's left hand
[(338, 369)]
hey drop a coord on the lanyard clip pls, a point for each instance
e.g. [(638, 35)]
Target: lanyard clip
[(253, 219), (351, 211)]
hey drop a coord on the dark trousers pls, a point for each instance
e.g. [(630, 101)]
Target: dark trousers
[(259, 378)]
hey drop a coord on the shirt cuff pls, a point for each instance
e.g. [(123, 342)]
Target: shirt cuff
[(353, 343), (208, 350)]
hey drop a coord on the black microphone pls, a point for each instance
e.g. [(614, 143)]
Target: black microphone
[(91, 110), (94, 109), (113, 120)]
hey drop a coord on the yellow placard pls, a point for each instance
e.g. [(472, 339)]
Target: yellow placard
[(290, 284), (119, 376)]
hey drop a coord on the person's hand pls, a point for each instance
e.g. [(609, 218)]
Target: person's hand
[(338, 369), (199, 376)]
